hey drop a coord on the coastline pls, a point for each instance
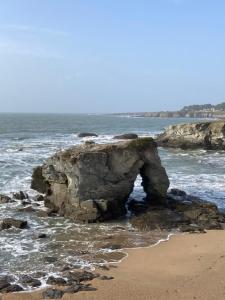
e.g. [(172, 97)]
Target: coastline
[(189, 266)]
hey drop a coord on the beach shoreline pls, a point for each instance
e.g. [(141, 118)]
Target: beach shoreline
[(189, 266)]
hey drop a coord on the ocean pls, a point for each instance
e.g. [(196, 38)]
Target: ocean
[(26, 140)]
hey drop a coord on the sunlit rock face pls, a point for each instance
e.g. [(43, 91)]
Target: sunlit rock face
[(207, 135), (92, 182)]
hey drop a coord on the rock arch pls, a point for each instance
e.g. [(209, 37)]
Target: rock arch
[(92, 182)]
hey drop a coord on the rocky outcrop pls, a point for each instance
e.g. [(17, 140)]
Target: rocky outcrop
[(184, 212), (207, 135), (92, 182)]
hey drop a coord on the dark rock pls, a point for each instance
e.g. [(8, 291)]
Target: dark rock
[(25, 203), (137, 207), (56, 281), (72, 289), (90, 183), (104, 277), (79, 276), (52, 294), (86, 134), (10, 222), (42, 236), (12, 288), (38, 182), (177, 192), (20, 195), (89, 142), (29, 280), (5, 199), (126, 136), (50, 259)]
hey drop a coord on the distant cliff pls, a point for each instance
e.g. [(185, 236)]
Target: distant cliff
[(191, 111)]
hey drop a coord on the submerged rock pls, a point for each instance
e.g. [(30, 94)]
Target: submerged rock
[(92, 182), (207, 135), (30, 281), (5, 199), (20, 195), (188, 213), (126, 136)]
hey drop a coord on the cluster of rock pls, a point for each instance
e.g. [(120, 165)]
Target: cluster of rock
[(71, 282), (92, 182), (206, 135), (183, 212)]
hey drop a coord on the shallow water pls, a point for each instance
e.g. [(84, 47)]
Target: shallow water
[(26, 140)]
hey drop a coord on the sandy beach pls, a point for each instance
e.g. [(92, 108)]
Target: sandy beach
[(189, 266)]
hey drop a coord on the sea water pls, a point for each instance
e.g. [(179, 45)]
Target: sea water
[(26, 140)]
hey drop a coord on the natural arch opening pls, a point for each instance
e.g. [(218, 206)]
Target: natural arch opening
[(136, 202)]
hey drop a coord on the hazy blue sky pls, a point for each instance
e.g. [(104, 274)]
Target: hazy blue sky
[(110, 55)]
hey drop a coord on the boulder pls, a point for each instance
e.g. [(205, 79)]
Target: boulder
[(207, 135), (5, 199), (29, 280), (10, 222), (56, 281), (52, 294), (91, 183), (86, 134), (126, 136), (20, 195)]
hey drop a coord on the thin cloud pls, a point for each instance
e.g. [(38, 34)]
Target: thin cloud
[(36, 30), (11, 47)]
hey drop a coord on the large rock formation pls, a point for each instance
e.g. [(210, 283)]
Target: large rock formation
[(92, 182), (207, 135)]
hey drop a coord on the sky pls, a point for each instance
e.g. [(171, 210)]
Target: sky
[(102, 56)]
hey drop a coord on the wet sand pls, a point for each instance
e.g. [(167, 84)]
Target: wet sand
[(190, 266)]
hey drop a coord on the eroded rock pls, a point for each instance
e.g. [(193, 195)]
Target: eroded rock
[(207, 135), (92, 182), (185, 212)]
